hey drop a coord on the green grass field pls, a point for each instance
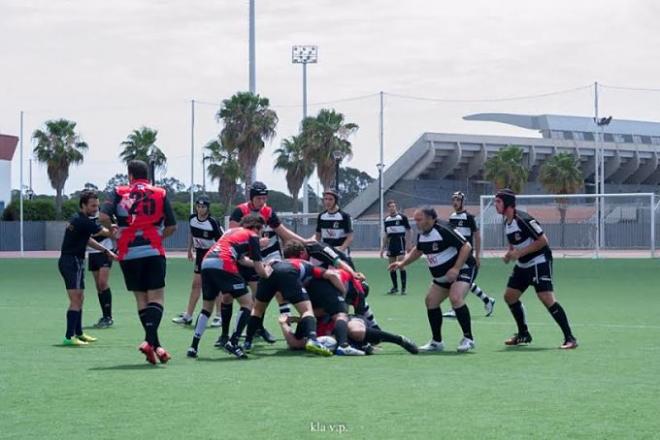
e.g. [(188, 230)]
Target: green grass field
[(607, 388)]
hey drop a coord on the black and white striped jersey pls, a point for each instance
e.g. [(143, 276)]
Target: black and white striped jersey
[(334, 227), (523, 231), (396, 225), (204, 232), (464, 223), (441, 246)]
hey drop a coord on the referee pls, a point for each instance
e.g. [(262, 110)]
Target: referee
[(77, 236)]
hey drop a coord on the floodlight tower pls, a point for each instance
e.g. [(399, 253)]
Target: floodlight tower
[(304, 54)]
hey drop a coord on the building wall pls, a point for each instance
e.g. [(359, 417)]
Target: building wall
[(5, 182)]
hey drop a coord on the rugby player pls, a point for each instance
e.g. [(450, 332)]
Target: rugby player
[(397, 231), (204, 232), (464, 222), (334, 227), (453, 268), (529, 249), (221, 276), (145, 219), (71, 264), (288, 277), (270, 249)]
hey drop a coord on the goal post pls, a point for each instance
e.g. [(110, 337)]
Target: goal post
[(581, 224)]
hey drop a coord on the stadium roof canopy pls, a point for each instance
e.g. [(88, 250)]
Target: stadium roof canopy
[(631, 150)]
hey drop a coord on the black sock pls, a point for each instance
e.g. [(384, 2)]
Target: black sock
[(393, 278), (254, 324), (435, 321), (200, 327), (71, 320), (308, 324), (105, 300), (559, 315), (518, 312), (241, 322), (226, 311), (463, 318), (404, 279), (374, 336), (153, 315), (79, 323), (341, 332)]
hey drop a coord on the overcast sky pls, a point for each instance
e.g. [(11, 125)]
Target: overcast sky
[(115, 66)]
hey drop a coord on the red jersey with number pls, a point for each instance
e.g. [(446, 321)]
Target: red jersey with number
[(352, 285), (235, 244), (141, 210)]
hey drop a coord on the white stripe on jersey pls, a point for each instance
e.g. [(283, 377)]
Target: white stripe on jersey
[(465, 231), (533, 262), (395, 229), (441, 258)]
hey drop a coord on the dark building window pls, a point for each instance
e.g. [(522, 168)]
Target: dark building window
[(609, 137), (646, 139), (568, 135), (627, 138), (588, 136)]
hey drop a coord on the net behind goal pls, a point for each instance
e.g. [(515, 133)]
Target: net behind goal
[(581, 224)]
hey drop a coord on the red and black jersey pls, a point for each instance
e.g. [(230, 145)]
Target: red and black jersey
[(141, 210), (231, 247), (305, 270), (272, 222), (353, 286)]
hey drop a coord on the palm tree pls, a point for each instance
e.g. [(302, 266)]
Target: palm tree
[(141, 145), (290, 159), (560, 174), (506, 170), (248, 122), (225, 168), (59, 147), (324, 134)]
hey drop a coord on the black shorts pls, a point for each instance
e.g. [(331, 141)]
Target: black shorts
[(324, 295), (248, 273), (142, 274), (72, 269), (467, 275), (287, 282), (98, 260), (539, 276), (218, 281), (199, 256), (396, 246)]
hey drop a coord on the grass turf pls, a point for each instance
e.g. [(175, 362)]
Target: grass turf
[(607, 388)]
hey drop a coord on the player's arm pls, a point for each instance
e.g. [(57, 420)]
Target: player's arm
[(317, 233), (409, 232), (254, 255), (190, 247), (463, 255), (291, 340), (383, 244), (349, 233), (411, 256), (170, 219), (476, 234), (331, 276), (99, 247), (107, 210), (540, 240)]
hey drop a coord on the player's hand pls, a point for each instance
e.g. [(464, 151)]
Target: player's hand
[(114, 231), (360, 276), (478, 260), (263, 242), (382, 253), (394, 266), (190, 255), (452, 274), (283, 320), (512, 255), (112, 255)]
